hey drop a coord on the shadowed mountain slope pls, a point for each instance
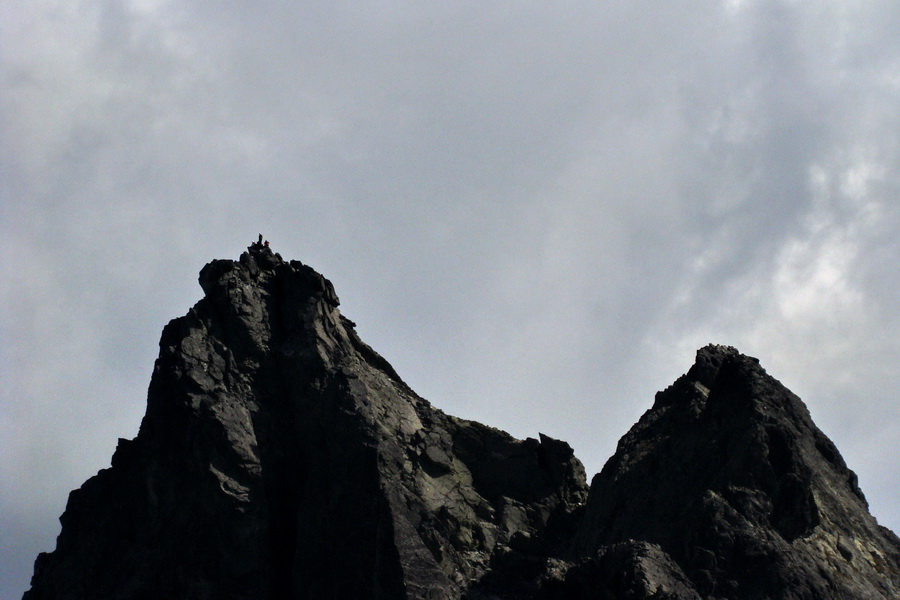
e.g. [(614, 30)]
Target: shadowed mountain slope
[(282, 457), (728, 475)]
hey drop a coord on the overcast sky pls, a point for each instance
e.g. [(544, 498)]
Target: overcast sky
[(536, 211)]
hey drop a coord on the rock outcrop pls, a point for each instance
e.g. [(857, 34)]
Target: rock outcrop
[(282, 457), (728, 481)]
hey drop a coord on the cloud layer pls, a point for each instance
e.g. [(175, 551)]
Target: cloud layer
[(536, 213)]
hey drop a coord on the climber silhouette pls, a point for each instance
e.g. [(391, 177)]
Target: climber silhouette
[(257, 245)]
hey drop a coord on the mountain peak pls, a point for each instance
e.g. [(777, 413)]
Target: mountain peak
[(710, 359), (282, 457), (730, 477)]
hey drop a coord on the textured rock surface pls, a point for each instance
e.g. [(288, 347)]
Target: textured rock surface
[(730, 478), (282, 457)]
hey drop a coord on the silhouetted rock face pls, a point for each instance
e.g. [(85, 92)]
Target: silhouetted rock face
[(728, 477), (281, 457)]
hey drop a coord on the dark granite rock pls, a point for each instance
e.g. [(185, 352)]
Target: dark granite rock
[(282, 457), (730, 478), (625, 570)]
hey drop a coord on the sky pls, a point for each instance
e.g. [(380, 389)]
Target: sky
[(537, 212)]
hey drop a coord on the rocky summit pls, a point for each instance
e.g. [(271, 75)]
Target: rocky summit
[(281, 457)]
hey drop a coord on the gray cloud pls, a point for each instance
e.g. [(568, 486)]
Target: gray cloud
[(536, 213)]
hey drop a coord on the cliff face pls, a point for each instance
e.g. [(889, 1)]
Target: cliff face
[(728, 477), (282, 457)]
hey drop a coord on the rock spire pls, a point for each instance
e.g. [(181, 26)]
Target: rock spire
[(282, 457)]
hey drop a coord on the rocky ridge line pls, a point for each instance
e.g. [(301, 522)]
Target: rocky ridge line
[(282, 457)]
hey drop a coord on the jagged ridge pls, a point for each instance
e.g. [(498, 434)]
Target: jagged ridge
[(282, 457), (730, 477)]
